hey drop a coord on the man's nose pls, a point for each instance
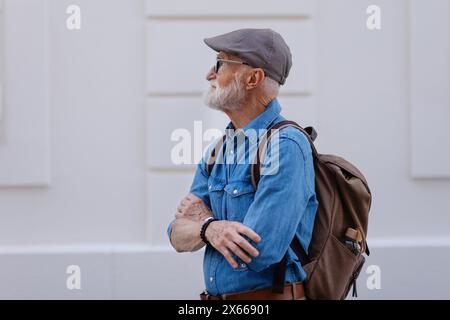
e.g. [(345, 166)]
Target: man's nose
[(211, 74)]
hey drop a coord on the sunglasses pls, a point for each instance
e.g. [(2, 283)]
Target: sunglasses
[(219, 63)]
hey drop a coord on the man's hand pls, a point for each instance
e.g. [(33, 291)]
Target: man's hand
[(227, 238), (193, 208), (191, 213)]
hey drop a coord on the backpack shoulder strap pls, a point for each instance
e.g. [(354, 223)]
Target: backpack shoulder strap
[(280, 268), (309, 132)]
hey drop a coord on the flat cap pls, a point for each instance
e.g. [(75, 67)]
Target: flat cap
[(260, 48)]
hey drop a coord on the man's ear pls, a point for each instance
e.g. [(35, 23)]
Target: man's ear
[(254, 79)]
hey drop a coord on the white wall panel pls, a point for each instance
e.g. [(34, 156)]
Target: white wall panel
[(33, 274), (154, 274), (2, 71), (430, 88), (96, 99), (164, 192), (302, 110), (235, 8), (166, 115), (140, 272), (24, 136)]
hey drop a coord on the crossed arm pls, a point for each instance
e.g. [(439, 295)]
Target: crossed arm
[(225, 236), (271, 220)]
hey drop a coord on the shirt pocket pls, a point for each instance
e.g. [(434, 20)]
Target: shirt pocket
[(216, 193), (240, 196)]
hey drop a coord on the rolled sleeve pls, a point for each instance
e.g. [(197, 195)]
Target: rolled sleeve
[(279, 204), (199, 185)]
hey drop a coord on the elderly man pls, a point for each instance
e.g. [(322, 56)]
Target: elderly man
[(247, 232)]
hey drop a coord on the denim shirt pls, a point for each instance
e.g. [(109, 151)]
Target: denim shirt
[(283, 205)]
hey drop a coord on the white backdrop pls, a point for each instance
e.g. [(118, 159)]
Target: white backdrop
[(85, 171)]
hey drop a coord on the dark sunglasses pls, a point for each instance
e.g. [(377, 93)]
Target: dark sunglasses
[(219, 63)]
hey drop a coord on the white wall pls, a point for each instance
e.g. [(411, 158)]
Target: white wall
[(95, 190), (85, 171), (365, 105)]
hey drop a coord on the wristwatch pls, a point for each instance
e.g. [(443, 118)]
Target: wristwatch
[(205, 225)]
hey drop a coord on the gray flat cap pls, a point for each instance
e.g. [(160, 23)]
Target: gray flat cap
[(260, 48)]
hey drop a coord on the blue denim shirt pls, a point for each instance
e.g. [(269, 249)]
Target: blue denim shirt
[(283, 205)]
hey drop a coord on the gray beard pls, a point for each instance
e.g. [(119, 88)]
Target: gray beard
[(230, 98)]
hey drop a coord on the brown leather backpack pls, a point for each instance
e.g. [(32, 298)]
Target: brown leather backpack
[(335, 254)]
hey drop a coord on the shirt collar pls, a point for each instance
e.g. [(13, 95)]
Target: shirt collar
[(262, 121)]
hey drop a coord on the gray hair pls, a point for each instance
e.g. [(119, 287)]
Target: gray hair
[(270, 87)]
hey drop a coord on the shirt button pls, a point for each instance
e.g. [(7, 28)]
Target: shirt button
[(231, 151), (243, 265), (235, 191), (209, 187), (211, 279)]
